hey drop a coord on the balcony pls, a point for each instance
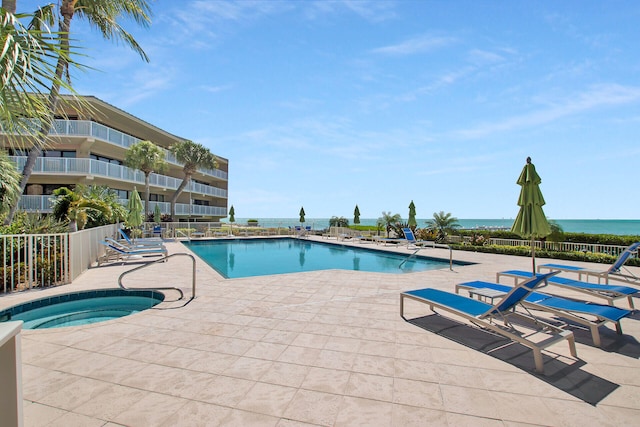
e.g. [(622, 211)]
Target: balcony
[(90, 167), (88, 128), (44, 204)]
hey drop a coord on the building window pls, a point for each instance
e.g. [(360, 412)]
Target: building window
[(156, 197), (105, 159), (122, 194), (59, 153)]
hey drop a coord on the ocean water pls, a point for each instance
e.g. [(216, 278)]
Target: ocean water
[(625, 227)]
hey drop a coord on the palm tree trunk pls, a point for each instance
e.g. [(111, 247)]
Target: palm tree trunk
[(66, 9), (9, 6), (147, 184), (175, 196)]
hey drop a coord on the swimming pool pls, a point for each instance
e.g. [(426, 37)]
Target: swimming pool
[(235, 258), (81, 308)]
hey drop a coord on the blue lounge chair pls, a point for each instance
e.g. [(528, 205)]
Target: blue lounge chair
[(411, 238), (132, 247), (609, 292), (483, 314), (562, 307), (123, 254), (614, 272), (301, 231), (140, 242)]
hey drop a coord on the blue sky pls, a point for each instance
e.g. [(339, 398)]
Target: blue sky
[(331, 103)]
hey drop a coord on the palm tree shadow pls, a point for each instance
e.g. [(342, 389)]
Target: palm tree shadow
[(569, 378)]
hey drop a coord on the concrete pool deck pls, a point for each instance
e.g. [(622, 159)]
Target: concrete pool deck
[(320, 348)]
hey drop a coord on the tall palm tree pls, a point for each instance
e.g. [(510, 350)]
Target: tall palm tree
[(26, 74), (101, 14), (192, 155), (388, 220), (9, 183), (444, 223), (9, 5), (147, 157)]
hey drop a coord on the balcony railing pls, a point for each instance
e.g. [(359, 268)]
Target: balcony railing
[(105, 133), (73, 166), (44, 204)]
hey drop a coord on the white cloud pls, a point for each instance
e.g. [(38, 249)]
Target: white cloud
[(370, 10), (415, 45), (595, 97), (216, 89)]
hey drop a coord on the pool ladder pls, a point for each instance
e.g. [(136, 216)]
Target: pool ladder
[(164, 258), (435, 245)]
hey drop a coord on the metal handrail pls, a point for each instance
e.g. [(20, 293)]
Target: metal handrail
[(164, 258), (433, 245)]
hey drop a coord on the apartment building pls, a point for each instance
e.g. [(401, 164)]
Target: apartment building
[(88, 146)]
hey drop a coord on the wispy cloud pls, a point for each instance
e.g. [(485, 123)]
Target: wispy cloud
[(483, 57), (216, 89), (370, 10), (415, 45), (202, 20), (598, 96)]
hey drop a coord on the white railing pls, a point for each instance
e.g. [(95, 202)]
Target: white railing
[(44, 204), (41, 260), (614, 250), (73, 166), (105, 133), (34, 260)]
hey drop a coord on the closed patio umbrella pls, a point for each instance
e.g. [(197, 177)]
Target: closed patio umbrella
[(531, 221), (302, 214), (134, 216), (412, 216), (135, 208), (232, 219), (157, 215), (356, 215)]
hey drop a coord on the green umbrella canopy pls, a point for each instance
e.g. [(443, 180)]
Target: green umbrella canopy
[(232, 214), (531, 221), (134, 216), (412, 215), (157, 215), (302, 214), (356, 215)]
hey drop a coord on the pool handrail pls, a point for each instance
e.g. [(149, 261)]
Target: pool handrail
[(434, 245), (164, 258)]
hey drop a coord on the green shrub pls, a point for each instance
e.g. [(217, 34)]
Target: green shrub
[(338, 222), (526, 251)]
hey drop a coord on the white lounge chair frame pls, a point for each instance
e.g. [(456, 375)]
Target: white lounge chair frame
[(485, 321), (593, 325)]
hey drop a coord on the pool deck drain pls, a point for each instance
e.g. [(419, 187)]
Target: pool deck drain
[(317, 348)]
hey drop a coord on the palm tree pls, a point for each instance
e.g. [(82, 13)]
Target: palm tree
[(147, 157), (9, 183), (75, 207), (26, 73), (101, 14), (388, 220), (192, 156), (444, 223), (9, 5), (96, 218)]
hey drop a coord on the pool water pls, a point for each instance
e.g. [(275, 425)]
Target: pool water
[(258, 257), (81, 308)]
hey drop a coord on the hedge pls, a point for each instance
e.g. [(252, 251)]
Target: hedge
[(542, 253)]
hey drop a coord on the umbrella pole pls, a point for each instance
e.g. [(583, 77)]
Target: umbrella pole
[(533, 257)]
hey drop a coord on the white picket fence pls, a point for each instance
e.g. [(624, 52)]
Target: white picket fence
[(40, 260)]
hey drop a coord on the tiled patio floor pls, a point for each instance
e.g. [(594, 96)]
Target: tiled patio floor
[(324, 348)]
